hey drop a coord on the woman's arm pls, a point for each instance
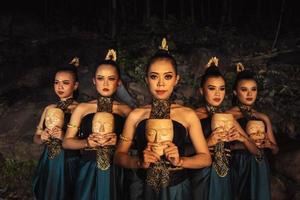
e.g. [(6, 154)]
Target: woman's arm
[(70, 139), (237, 133), (38, 137), (202, 157), (270, 140), (125, 141)]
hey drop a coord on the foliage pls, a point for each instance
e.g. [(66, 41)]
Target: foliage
[(16, 178)]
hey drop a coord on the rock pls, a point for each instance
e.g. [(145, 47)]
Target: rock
[(287, 163), (278, 189), (187, 91)]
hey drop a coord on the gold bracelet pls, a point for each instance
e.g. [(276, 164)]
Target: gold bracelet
[(72, 126), (180, 163), (39, 128), (125, 139)]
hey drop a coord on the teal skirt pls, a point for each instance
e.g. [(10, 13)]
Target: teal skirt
[(260, 179), (241, 174), (71, 174), (48, 181), (139, 190), (220, 187), (200, 181), (96, 184)]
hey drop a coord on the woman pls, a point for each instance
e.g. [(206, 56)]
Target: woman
[(214, 182), (161, 176), (57, 167), (99, 178), (251, 173)]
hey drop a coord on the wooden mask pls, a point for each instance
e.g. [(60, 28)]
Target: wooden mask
[(157, 132)]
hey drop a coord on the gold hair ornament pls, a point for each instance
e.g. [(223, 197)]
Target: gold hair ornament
[(239, 67), (213, 60), (111, 55), (75, 62), (164, 45)]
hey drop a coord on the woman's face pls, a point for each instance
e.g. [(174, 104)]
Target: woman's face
[(214, 90), (161, 79), (106, 80), (246, 92), (64, 85)]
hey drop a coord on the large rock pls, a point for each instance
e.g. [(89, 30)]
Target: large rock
[(287, 163), (278, 189)]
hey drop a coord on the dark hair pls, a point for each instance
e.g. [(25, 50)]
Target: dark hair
[(109, 62), (211, 71), (161, 55), (68, 68), (73, 71), (243, 75)]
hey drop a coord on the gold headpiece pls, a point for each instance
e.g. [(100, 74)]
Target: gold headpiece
[(239, 67), (164, 45), (214, 60), (111, 55), (75, 62)]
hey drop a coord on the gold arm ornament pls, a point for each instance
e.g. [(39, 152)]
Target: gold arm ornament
[(73, 126), (125, 139)]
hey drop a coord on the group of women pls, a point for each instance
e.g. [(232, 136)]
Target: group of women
[(102, 149)]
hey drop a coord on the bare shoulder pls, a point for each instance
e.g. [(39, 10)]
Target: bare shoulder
[(123, 108), (184, 115), (235, 111), (262, 116), (85, 108), (50, 106), (138, 114), (201, 113)]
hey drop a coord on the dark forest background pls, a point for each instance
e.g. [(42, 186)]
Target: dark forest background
[(37, 36)]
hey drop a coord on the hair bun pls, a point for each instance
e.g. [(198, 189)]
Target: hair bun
[(75, 62), (239, 67), (214, 61), (111, 55), (164, 46)]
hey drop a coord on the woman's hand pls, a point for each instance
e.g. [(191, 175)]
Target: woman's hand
[(265, 143), (172, 154), (217, 135), (110, 139), (57, 132), (45, 135), (149, 157), (235, 135), (93, 140)]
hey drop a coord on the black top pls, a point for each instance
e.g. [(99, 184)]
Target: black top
[(86, 130), (179, 140), (243, 122), (206, 126), (87, 124)]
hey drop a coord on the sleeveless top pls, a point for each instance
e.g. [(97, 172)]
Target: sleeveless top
[(180, 134)]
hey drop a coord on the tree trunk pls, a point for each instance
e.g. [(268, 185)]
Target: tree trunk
[(223, 14), (164, 11), (258, 9), (114, 19), (202, 11), (192, 9), (182, 10), (148, 10), (229, 15)]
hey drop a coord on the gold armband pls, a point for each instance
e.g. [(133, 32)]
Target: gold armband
[(72, 126), (125, 139), (39, 128)]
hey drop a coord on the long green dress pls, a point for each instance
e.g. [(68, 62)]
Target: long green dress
[(178, 187), (250, 176), (49, 182), (94, 183), (206, 184)]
